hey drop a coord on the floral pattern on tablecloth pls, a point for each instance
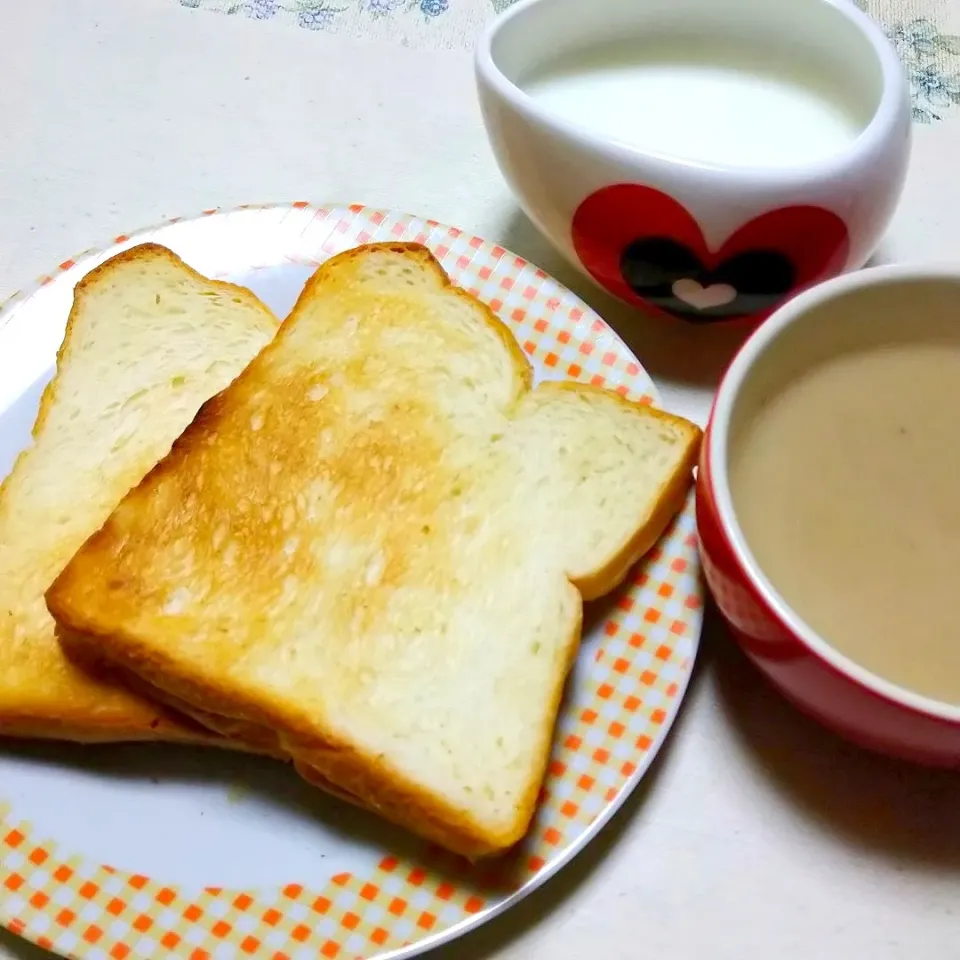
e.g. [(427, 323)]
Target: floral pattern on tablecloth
[(415, 23), (929, 51), (932, 61)]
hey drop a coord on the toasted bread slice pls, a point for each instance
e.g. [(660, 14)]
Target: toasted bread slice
[(375, 544), (148, 340)]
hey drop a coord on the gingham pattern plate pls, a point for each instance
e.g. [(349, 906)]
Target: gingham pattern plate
[(159, 851)]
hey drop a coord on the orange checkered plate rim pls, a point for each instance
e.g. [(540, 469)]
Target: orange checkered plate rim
[(214, 876)]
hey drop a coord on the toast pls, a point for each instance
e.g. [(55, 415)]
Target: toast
[(373, 548), (148, 340)]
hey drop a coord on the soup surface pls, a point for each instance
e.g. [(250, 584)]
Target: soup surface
[(846, 485), (704, 99)]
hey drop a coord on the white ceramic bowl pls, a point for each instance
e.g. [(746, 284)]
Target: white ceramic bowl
[(593, 196)]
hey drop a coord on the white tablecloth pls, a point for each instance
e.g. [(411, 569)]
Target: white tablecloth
[(757, 834)]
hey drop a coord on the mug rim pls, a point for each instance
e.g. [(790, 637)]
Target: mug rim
[(717, 438), (893, 105)]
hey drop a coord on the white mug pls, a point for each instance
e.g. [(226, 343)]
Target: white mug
[(703, 241)]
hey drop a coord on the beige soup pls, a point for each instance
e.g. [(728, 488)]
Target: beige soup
[(846, 484)]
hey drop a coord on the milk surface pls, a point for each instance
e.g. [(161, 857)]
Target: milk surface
[(703, 100)]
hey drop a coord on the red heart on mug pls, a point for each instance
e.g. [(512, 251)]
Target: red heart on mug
[(646, 248)]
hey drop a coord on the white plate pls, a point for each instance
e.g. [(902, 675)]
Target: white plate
[(158, 851)]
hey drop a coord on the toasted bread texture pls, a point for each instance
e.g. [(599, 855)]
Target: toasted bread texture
[(148, 340), (374, 547)]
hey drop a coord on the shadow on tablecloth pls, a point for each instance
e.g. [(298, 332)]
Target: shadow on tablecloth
[(887, 808)]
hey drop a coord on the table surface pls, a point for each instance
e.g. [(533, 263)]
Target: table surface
[(756, 833)]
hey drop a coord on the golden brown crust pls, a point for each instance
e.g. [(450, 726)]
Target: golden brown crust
[(341, 767), (234, 733), (317, 779), (80, 730), (82, 726), (164, 724)]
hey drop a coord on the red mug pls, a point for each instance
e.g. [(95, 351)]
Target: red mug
[(821, 681)]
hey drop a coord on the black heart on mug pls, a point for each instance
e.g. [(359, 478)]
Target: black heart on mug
[(672, 277)]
